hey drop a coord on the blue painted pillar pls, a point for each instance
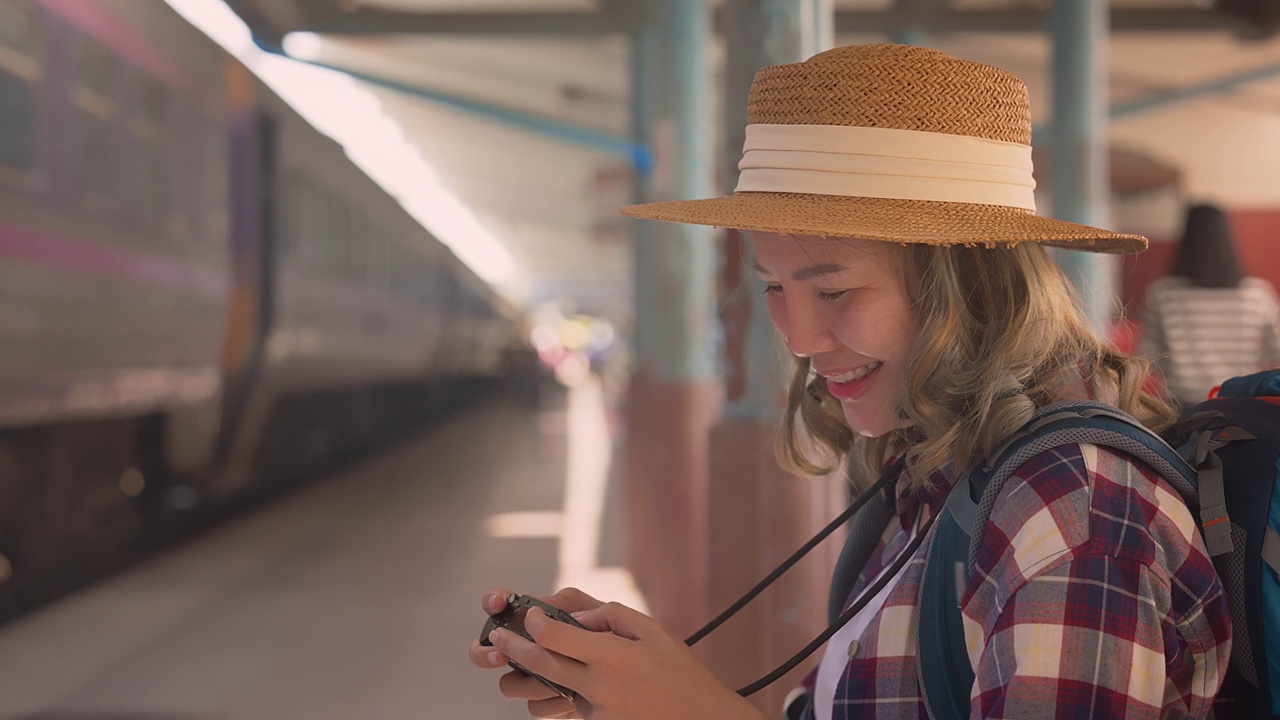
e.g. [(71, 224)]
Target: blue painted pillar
[(645, 42), (676, 328), (674, 395), (1078, 140), (911, 35)]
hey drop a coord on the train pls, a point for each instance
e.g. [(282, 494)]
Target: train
[(201, 296)]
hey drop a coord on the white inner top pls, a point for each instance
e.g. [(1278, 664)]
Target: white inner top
[(836, 656)]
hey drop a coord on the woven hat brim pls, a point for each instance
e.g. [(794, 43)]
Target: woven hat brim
[(890, 220)]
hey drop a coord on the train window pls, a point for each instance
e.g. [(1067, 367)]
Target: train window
[(20, 43), (213, 186), (361, 248), (358, 247), (424, 280), (309, 205), (290, 214), (379, 244), (150, 141), (328, 239), (340, 243), (321, 218), (93, 95)]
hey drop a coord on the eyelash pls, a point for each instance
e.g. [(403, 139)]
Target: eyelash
[(821, 294)]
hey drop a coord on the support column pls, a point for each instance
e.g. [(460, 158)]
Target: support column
[(1081, 186), (674, 395), (759, 513)]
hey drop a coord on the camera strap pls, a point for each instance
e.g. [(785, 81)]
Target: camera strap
[(889, 476)]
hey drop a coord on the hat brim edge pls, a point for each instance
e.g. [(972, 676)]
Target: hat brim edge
[(888, 220)]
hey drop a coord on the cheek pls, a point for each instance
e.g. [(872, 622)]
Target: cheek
[(899, 340), (777, 309)]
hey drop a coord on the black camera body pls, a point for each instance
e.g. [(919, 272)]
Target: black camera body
[(512, 618)]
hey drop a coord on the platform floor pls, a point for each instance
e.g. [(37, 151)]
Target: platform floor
[(354, 598)]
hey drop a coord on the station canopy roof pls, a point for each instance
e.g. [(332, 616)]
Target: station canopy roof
[(523, 106)]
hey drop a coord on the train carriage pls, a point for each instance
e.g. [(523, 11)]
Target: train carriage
[(192, 279)]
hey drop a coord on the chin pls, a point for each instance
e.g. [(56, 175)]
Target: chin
[(873, 427), (871, 432)]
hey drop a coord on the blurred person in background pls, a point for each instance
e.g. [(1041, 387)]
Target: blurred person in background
[(1208, 321)]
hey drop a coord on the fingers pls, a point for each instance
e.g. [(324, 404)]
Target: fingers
[(568, 599), (556, 707), (486, 658), (518, 686), (572, 600), (565, 639), (535, 658), (618, 619), (495, 601)]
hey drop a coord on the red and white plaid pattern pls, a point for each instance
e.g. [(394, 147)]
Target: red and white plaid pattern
[(1092, 597)]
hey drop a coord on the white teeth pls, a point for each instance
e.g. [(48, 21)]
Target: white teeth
[(855, 374)]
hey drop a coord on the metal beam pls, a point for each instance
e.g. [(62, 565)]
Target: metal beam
[(1216, 86), (267, 31), (635, 152), (1173, 96), (1166, 21)]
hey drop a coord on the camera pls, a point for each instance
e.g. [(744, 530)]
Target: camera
[(512, 618)]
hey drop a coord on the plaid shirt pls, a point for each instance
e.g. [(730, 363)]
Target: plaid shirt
[(1092, 596)]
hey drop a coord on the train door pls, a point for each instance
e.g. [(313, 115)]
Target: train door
[(252, 307)]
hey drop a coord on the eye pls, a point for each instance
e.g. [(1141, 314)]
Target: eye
[(772, 288), (836, 295)]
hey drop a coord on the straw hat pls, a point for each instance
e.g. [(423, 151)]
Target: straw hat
[(889, 142)]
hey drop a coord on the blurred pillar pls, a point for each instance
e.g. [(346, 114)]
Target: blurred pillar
[(911, 35), (760, 513), (674, 394), (914, 14), (1078, 141)]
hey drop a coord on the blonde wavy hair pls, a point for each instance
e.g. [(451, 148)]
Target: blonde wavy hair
[(998, 332)]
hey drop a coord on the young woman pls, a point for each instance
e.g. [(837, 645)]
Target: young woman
[(889, 194)]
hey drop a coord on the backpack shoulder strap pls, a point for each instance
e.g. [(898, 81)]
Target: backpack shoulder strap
[(946, 674), (864, 533)]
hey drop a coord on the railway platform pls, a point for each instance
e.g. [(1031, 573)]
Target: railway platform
[(355, 597)]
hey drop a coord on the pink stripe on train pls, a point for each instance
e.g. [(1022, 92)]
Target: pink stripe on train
[(33, 245)]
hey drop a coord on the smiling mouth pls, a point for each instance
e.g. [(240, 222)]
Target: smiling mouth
[(856, 374)]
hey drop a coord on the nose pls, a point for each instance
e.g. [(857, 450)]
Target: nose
[(805, 331)]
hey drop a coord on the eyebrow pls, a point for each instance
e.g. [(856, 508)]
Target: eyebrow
[(807, 273)]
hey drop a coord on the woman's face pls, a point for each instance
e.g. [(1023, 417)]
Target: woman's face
[(843, 304)]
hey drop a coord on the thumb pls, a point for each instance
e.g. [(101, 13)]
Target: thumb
[(618, 619)]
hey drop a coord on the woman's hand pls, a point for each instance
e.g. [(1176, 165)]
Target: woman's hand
[(624, 666), (543, 701)]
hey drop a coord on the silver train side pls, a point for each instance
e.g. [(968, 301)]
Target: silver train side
[(201, 297)]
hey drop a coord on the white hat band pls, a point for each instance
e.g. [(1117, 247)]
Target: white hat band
[(886, 163)]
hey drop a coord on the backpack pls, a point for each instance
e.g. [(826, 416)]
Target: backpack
[(1225, 466)]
